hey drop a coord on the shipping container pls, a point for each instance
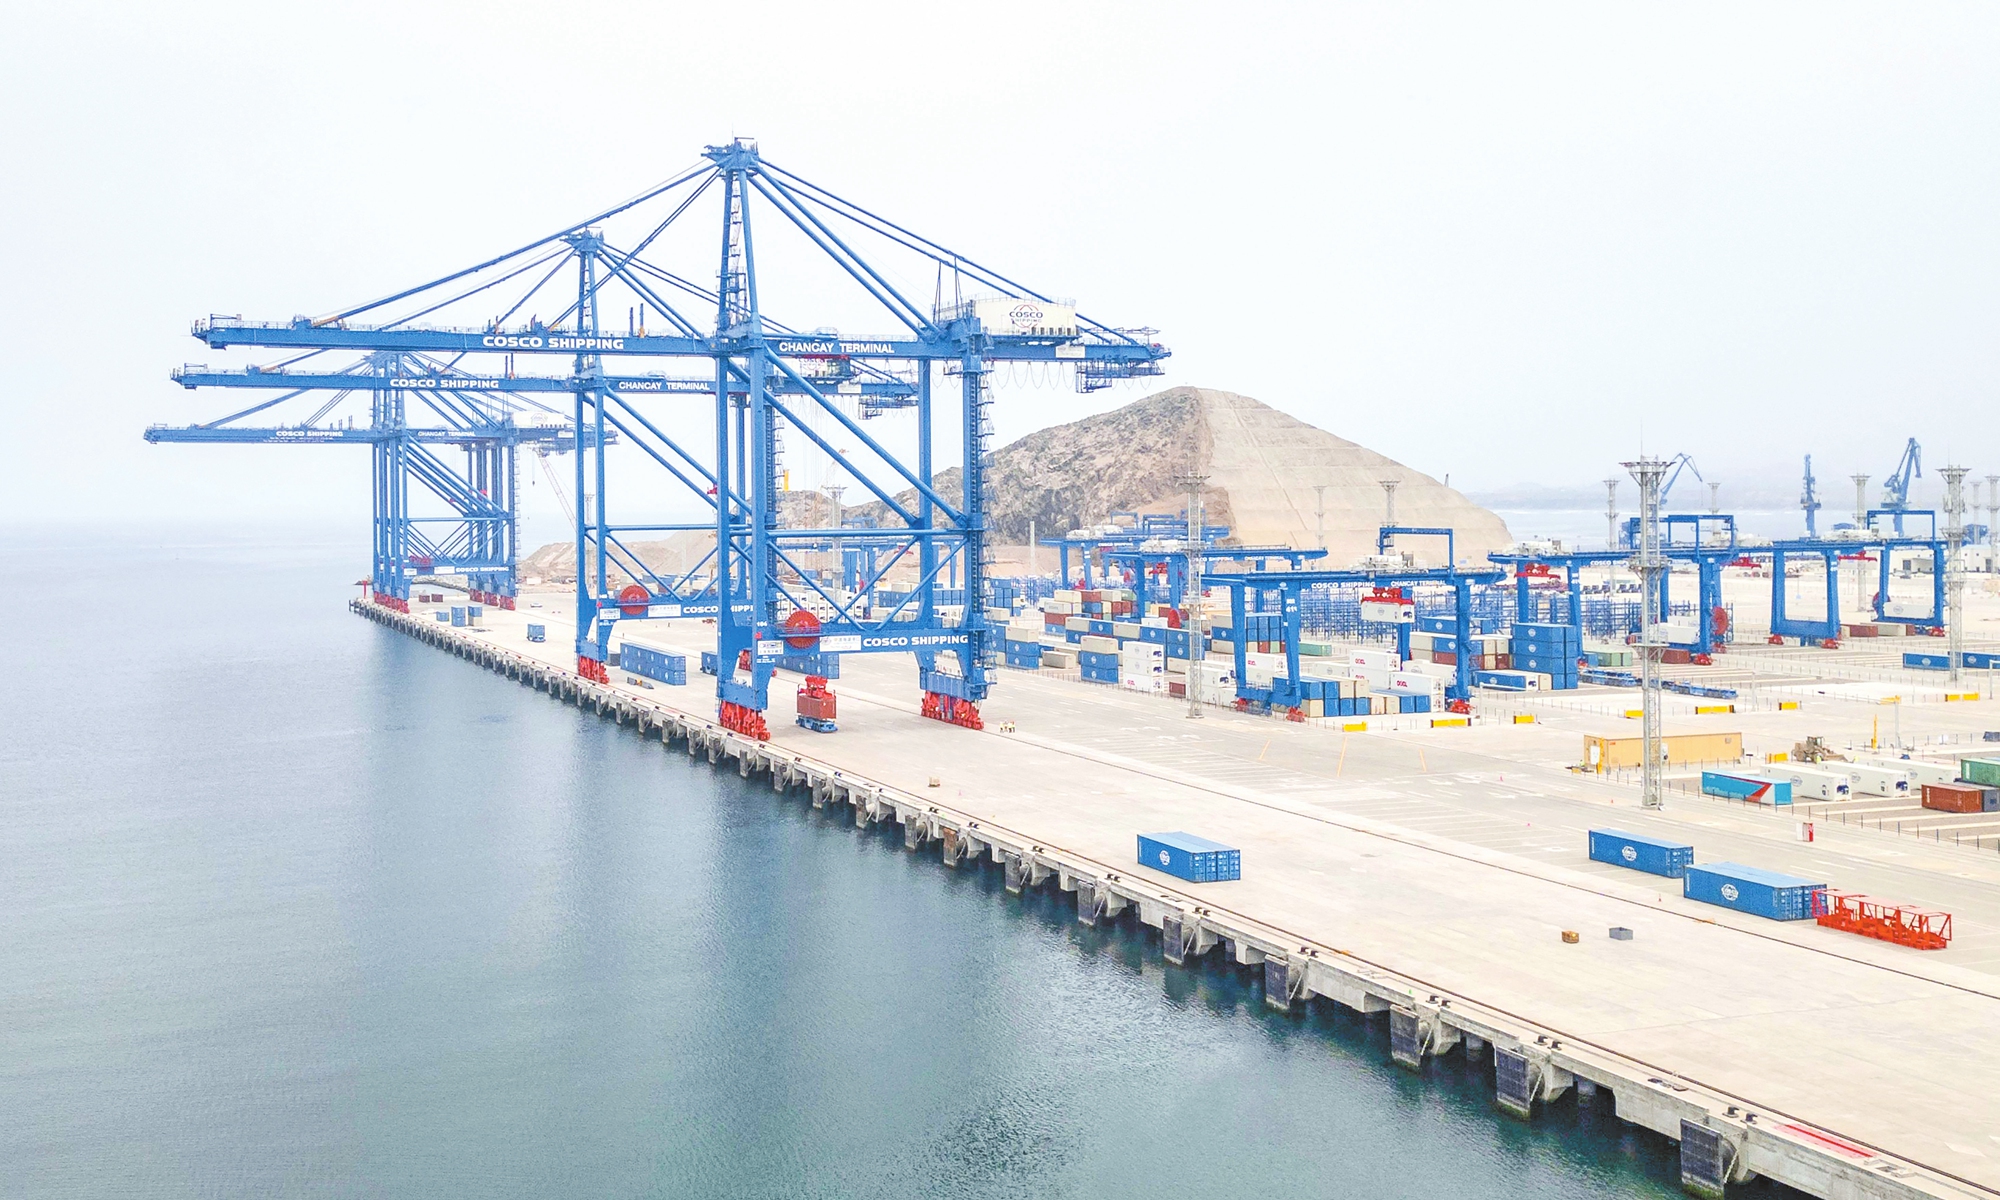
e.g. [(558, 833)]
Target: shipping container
[(1655, 856), (653, 662), (1960, 797), (1808, 783), (1985, 771), (1753, 890), (1920, 772), (1867, 779), (1745, 787), (1185, 856), (1611, 753), (538, 633), (458, 614)]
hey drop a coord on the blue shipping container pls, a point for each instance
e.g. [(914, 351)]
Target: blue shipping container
[(1653, 855), (1752, 890), (443, 615), (458, 615), (1928, 662), (1185, 856), (650, 662), (1742, 787)]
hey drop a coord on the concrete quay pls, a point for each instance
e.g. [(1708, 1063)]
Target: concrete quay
[(1427, 877)]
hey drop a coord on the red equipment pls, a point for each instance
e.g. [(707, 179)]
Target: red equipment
[(746, 721), (633, 599), (952, 711), (592, 670), (1905, 925), (801, 630)]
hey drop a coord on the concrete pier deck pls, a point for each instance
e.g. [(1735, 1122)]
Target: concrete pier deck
[(1430, 875)]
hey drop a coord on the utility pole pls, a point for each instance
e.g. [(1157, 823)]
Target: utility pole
[(1993, 512), (1611, 514), (1954, 578), (1192, 615), (1031, 547), (1648, 564), (1319, 511)]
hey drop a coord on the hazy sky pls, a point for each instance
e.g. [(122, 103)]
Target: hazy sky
[(1499, 241)]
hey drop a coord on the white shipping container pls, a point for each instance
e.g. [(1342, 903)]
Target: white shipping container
[(1678, 635), (1920, 772), (1375, 660), (1096, 644), (1867, 779), (1808, 783), (1908, 609)]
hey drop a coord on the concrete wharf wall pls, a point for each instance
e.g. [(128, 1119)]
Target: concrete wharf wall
[(1724, 1138)]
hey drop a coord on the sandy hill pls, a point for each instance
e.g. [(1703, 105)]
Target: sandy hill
[(1262, 467)]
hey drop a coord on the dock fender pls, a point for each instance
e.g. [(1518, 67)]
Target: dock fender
[(1711, 1156)]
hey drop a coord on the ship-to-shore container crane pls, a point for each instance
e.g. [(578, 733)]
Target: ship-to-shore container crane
[(758, 374)]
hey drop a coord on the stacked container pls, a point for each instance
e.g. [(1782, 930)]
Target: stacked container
[(1185, 856), (1961, 797), (1753, 890), (653, 662), (1550, 650)]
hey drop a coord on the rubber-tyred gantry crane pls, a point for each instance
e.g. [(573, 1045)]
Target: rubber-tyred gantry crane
[(715, 436)]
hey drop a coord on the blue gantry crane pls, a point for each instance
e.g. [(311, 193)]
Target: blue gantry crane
[(760, 376), (431, 514)]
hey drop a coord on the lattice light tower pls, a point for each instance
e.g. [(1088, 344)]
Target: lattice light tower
[(1954, 564), (1193, 611), (754, 375), (1648, 564)]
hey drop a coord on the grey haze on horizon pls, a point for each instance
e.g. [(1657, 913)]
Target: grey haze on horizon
[(1508, 244)]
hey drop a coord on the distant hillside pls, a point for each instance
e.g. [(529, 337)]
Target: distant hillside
[(1265, 469)]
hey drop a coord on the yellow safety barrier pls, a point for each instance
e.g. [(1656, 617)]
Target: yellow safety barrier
[(1949, 696), (1442, 722), (1524, 718), (1355, 727), (1787, 705), (1635, 713), (1702, 710), (1777, 756)]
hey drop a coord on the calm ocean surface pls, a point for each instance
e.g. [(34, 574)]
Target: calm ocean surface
[(293, 906)]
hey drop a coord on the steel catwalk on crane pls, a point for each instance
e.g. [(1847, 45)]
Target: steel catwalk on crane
[(715, 438)]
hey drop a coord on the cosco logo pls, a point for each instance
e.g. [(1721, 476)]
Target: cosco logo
[(1729, 892), (1025, 314), (1165, 858), (1631, 855)]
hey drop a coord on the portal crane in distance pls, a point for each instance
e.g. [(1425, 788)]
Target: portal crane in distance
[(1809, 501), (1896, 488), (1629, 534)]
